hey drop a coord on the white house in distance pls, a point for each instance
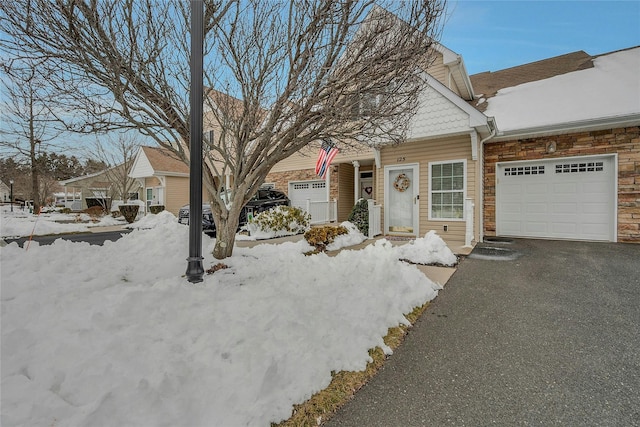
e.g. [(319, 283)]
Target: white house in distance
[(5, 192)]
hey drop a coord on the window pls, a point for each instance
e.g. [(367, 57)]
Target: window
[(447, 190), (580, 167), (524, 170), (207, 138)]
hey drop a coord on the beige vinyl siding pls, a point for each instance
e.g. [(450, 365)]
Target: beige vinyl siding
[(306, 158), (437, 70), (423, 152), (345, 182), (441, 73), (176, 194), (151, 182)]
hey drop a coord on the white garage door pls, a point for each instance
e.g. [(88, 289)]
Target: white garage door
[(564, 198), (299, 192)]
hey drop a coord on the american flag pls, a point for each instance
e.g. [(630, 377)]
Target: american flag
[(327, 152)]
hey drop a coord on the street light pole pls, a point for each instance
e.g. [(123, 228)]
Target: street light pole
[(195, 270), (11, 193)]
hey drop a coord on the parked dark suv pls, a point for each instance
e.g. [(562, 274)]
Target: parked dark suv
[(263, 200)]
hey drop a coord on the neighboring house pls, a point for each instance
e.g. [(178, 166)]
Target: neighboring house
[(548, 150), (96, 189), (5, 192), (431, 182), (566, 161), (163, 178)]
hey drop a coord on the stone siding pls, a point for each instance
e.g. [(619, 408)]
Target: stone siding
[(281, 180), (624, 141)]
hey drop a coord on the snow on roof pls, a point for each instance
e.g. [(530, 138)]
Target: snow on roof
[(611, 89)]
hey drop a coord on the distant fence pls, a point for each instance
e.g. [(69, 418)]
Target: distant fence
[(321, 211)]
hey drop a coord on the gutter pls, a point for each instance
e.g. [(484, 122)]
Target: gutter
[(570, 127)]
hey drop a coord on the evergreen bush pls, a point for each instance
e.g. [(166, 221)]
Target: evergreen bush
[(359, 216), (156, 209), (288, 219)]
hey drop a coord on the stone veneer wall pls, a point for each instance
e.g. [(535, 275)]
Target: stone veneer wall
[(282, 179), (624, 141)]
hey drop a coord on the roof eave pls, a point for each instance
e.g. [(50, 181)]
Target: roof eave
[(620, 121), (167, 173)]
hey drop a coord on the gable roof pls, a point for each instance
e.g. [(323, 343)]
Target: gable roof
[(443, 112), (95, 182), (488, 83), (152, 161), (569, 93), (457, 70)]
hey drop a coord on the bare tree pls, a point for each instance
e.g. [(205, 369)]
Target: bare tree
[(118, 152), (30, 127), (282, 74)]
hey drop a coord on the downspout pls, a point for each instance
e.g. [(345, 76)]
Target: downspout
[(491, 122)]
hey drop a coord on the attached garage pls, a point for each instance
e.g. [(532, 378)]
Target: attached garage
[(301, 191), (312, 196), (562, 198)]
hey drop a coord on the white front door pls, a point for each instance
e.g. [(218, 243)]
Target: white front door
[(401, 199)]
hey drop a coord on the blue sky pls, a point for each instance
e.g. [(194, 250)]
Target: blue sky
[(494, 35)]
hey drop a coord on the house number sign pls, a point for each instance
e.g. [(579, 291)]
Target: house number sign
[(400, 159)]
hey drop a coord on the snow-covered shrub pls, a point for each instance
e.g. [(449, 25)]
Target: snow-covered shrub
[(283, 220), (322, 236), (359, 216), (129, 212), (156, 209)]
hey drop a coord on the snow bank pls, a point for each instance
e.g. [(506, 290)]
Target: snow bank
[(430, 249), (115, 335)]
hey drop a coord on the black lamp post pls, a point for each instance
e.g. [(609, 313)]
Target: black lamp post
[(195, 270), (11, 193)]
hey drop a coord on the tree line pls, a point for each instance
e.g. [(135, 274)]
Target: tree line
[(52, 168)]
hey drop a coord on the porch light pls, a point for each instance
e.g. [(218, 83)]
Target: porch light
[(551, 147)]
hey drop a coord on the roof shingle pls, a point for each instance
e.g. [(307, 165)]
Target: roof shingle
[(489, 83), (164, 160)]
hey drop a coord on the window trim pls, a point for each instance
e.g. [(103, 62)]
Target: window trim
[(464, 189)]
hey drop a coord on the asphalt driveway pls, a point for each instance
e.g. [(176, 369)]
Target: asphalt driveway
[(549, 337)]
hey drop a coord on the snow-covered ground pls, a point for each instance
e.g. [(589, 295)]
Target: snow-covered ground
[(114, 335), (21, 223)]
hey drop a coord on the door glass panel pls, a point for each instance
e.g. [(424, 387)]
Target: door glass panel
[(400, 209)]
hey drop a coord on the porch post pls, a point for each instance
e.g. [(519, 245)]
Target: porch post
[(328, 185), (356, 181)]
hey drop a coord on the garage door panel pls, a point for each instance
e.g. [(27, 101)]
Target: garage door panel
[(536, 189), (595, 208), (593, 229), (513, 208), (571, 198), (569, 188), (512, 228), (536, 208), (564, 229), (567, 208), (536, 229)]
